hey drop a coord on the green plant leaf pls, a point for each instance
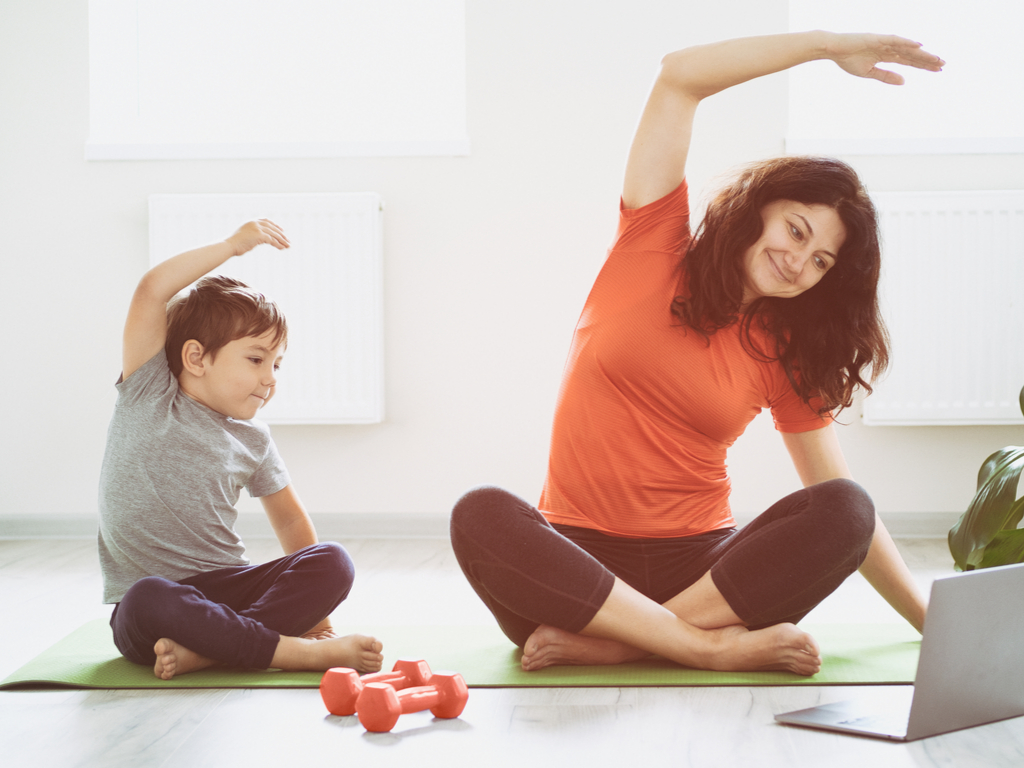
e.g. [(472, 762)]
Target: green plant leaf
[(992, 509), (997, 462), (1005, 548), (1016, 514)]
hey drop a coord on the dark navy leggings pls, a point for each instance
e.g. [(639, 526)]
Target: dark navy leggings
[(775, 569), (234, 615)]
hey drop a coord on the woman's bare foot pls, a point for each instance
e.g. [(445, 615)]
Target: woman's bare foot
[(357, 652), (783, 647), (175, 659), (548, 646)]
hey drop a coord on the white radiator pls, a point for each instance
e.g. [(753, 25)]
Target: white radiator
[(329, 285), (952, 282)]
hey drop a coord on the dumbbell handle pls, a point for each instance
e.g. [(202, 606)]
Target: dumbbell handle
[(394, 679), (379, 706), (340, 687), (418, 698)]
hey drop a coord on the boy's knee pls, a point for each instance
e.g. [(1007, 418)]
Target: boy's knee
[(334, 553), (146, 598), (335, 562), (142, 617)]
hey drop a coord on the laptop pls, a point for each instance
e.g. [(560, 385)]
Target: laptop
[(969, 671)]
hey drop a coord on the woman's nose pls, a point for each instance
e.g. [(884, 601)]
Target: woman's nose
[(795, 260)]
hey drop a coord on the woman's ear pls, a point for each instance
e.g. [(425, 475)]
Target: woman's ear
[(192, 354)]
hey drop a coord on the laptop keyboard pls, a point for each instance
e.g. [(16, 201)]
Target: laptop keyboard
[(890, 722)]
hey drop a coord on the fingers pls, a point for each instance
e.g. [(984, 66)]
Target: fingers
[(900, 50), (860, 54), (260, 232), (885, 76), (273, 234)]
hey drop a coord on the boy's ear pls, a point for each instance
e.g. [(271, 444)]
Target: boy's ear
[(192, 354)]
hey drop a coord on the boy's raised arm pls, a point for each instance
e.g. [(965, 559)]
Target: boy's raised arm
[(145, 330)]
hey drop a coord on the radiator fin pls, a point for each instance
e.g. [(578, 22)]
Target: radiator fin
[(329, 285), (953, 272)]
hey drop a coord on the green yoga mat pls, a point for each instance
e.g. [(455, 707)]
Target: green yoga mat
[(852, 654)]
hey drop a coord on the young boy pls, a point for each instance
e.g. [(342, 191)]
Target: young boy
[(180, 448)]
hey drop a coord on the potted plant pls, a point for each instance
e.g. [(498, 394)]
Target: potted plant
[(987, 533)]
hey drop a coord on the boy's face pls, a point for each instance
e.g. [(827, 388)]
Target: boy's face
[(240, 379)]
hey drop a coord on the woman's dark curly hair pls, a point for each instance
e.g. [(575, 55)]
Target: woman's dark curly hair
[(827, 336)]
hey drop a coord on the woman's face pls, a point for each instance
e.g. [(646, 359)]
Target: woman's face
[(798, 245)]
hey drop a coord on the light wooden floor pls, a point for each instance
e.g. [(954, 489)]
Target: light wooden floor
[(49, 587)]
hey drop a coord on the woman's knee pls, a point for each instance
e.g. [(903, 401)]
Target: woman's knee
[(480, 507), (482, 499), (849, 505), (489, 520)]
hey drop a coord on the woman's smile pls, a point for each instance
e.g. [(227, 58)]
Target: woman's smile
[(798, 244)]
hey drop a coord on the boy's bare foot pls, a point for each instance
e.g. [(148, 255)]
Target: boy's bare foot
[(549, 646), (175, 659), (357, 652)]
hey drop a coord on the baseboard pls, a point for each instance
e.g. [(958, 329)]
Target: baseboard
[(329, 526), (918, 525), (342, 525), (357, 525), (906, 525)]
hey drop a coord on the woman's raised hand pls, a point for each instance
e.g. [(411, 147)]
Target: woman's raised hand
[(859, 54)]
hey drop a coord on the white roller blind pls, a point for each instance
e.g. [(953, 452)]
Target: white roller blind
[(266, 78)]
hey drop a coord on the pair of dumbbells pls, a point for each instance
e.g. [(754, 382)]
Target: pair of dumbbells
[(381, 698)]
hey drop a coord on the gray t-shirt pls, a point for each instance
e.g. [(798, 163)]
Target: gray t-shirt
[(172, 473)]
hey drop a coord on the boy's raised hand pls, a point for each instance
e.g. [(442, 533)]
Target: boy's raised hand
[(145, 329), (260, 232)]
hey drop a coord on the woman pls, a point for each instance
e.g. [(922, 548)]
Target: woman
[(772, 303)]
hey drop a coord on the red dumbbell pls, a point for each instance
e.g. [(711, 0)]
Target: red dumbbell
[(340, 686), (379, 706)]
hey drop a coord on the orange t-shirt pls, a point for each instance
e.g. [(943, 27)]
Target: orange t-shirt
[(647, 409)]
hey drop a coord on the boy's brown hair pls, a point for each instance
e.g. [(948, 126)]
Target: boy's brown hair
[(216, 311)]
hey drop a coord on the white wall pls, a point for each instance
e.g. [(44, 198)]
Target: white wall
[(488, 260)]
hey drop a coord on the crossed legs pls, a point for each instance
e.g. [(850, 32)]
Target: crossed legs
[(731, 599), (630, 626), (249, 617)]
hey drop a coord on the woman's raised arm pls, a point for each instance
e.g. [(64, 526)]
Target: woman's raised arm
[(657, 158)]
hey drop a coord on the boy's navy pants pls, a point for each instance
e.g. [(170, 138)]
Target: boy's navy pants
[(234, 615)]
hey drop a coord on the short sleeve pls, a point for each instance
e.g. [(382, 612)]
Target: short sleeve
[(789, 411), (663, 225), (152, 379), (270, 476)]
